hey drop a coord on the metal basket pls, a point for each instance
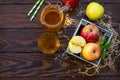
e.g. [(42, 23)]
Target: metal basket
[(106, 32)]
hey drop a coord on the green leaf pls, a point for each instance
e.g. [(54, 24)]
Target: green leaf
[(103, 54), (105, 46)]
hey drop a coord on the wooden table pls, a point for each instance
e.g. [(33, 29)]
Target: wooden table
[(20, 58)]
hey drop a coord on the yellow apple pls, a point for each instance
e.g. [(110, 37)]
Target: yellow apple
[(76, 43), (91, 51), (94, 11)]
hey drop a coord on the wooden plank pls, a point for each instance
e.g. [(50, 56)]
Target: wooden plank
[(19, 54), (23, 9), (22, 21), (25, 40), (22, 40), (23, 37), (26, 65), (16, 15), (62, 78), (52, 1), (41, 65)]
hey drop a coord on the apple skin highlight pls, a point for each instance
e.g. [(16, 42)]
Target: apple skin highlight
[(91, 51), (90, 33)]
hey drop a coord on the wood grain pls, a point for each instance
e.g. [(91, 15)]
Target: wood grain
[(39, 64), (16, 15), (23, 40), (20, 58)]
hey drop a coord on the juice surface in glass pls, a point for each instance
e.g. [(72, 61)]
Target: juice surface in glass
[(48, 43), (52, 18)]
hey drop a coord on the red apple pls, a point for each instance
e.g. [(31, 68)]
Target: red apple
[(91, 51), (90, 33), (71, 3)]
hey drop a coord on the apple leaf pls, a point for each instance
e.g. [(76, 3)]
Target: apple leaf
[(103, 54), (105, 46)]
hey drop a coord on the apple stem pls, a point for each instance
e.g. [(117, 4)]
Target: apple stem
[(94, 51), (91, 30)]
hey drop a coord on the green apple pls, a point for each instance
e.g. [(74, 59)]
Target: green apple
[(94, 11)]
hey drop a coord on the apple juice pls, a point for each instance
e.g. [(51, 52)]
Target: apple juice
[(48, 43), (52, 19)]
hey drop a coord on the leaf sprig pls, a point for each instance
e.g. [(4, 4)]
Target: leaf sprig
[(104, 47)]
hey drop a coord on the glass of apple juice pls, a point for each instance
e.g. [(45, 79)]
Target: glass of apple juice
[(48, 43), (52, 18)]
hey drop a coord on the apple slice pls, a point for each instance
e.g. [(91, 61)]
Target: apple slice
[(74, 48), (76, 43), (78, 40)]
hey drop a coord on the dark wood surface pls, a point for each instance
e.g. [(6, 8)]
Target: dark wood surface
[(20, 58)]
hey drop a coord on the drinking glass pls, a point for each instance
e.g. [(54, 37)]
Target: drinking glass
[(48, 43), (52, 18)]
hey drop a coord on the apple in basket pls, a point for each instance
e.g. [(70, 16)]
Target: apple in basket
[(90, 32), (91, 51)]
